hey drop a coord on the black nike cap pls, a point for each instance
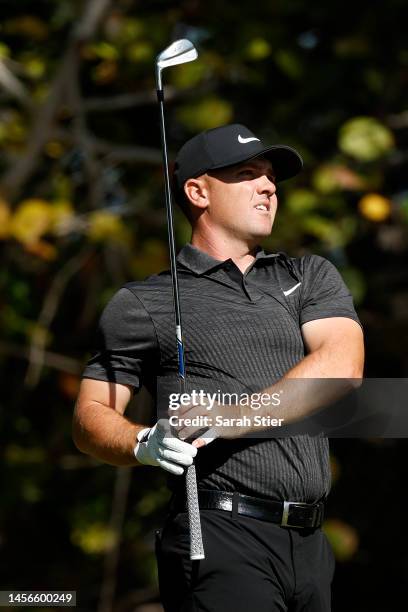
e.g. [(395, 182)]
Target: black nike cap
[(229, 145)]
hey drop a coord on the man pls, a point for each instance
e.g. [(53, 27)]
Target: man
[(252, 322)]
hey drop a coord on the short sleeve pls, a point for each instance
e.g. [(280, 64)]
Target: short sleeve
[(324, 293), (126, 342)]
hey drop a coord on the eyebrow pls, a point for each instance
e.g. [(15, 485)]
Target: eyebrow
[(253, 164)]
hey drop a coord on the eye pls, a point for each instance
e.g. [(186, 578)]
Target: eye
[(245, 172)]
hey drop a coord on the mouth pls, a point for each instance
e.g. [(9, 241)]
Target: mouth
[(264, 206)]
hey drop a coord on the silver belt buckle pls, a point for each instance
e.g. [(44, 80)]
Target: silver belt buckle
[(285, 513)]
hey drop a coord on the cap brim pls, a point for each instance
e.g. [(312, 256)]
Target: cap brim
[(286, 162)]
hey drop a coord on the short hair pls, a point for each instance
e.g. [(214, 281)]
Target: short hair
[(182, 201)]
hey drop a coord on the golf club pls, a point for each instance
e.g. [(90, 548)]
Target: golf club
[(179, 52)]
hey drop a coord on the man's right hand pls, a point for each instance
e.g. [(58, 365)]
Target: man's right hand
[(158, 446)]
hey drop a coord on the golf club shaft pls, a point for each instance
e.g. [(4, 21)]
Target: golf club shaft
[(196, 541)]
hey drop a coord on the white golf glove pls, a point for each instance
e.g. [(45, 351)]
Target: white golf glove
[(158, 446)]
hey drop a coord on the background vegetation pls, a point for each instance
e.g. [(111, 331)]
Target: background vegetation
[(81, 212)]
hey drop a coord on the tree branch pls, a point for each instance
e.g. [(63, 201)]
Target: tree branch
[(125, 100), (50, 305), (120, 496), (142, 98), (94, 12), (48, 358), (398, 121), (92, 165), (125, 153), (12, 85), (20, 172)]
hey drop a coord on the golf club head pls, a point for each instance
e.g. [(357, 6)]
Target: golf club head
[(179, 52)]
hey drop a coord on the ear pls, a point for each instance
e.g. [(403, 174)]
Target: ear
[(196, 191)]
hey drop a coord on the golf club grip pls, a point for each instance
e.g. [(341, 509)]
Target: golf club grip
[(196, 539)]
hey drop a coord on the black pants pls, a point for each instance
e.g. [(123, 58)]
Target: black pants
[(250, 565)]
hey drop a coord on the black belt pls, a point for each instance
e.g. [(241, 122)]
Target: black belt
[(287, 514)]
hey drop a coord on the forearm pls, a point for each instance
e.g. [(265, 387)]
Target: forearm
[(316, 381), (323, 376), (105, 434)]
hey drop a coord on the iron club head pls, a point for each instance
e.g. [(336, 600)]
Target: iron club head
[(179, 52)]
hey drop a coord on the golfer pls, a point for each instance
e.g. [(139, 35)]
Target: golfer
[(252, 322)]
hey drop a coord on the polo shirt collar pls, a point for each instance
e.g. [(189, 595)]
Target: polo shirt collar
[(200, 262)]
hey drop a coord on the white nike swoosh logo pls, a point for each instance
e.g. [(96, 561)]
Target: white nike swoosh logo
[(245, 140), (292, 289)]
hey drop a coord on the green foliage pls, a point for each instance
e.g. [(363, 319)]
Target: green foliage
[(355, 282), (289, 63), (95, 538), (258, 49), (365, 138), (302, 201), (209, 113)]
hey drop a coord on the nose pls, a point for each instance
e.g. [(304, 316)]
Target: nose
[(266, 186)]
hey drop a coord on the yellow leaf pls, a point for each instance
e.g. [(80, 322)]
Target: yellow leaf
[(332, 177), (343, 538), (54, 149), (62, 211), (190, 74), (258, 49), (206, 114), (152, 259), (27, 25), (289, 63), (31, 220), (62, 187), (12, 127), (139, 52), (34, 66), (106, 226), (375, 207), (96, 538), (19, 455), (42, 249), (365, 138), (103, 50), (4, 50), (105, 72)]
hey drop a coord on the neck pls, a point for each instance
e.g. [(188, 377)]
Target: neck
[(241, 253)]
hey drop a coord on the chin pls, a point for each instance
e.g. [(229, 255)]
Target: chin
[(261, 232)]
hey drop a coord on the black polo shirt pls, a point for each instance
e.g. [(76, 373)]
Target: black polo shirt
[(242, 333)]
